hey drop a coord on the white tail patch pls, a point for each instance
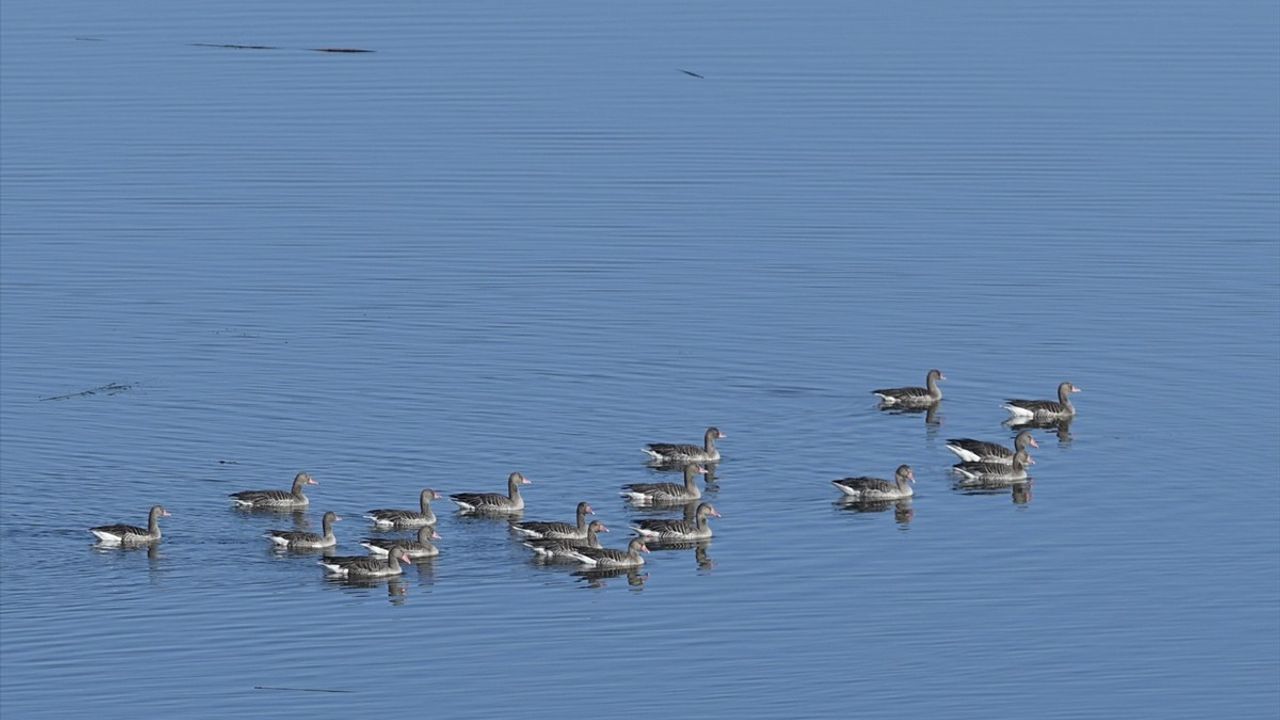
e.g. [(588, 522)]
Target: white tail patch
[(851, 492), (654, 455), (963, 454), (333, 569), (887, 399), (526, 532), (375, 550), (107, 538), (464, 506), (1019, 412), (279, 540), (645, 532)]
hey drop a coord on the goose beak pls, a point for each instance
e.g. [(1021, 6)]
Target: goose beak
[(1033, 443), (436, 496), (604, 528), (435, 535), (311, 481), (164, 513)]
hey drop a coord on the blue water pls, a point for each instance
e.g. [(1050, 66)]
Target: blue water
[(517, 237)]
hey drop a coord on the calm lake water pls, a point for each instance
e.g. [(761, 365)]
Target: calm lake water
[(518, 237)]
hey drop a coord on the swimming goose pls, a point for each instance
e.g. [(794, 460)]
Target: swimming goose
[(969, 450), (667, 493), (913, 396), (987, 471), (612, 558), (366, 567), (132, 534), (672, 453), (276, 499), (869, 488), (407, 519), (420, 548), (559, 530), (493, 502), (299, 540), (563, 549), (678, 530), (1045, 410)]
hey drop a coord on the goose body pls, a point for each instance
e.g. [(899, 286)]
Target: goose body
[(871, 489), (299, 540), (366, 567), (407, 519), (292, 499), (420, 548), (610, 558), (992, 472), (666, 493), (565, 549), (913, 396), (678, 530), (493, 502), (687, 453), (1044, 410), (969, 450), (557, 530), (125, 535)]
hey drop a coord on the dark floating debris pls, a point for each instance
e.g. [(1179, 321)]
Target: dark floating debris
[(340, 50), (691, 73), (293, 689), (232, 46), (88, 39), (228, 462), (108, 389)]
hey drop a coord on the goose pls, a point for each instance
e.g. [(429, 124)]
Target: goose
[(667, 493), (969, 450), (678, 530), (276, 499), (563, 549), (673, 453), (299, 540), (493, 502), (1045, 410), (611, 558), (407, 519), (366, 567), (132, 534), (557, 530), (421, 548), (869, 488), (988, 471), (913, 396)]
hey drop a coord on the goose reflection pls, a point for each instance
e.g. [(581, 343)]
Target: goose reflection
[(932, 416), (701, 557), (1061, 428), (1019, 490), (903, 511), (396, 588), (599, 579)]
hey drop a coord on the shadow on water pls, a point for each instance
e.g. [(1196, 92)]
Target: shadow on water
[(903, 511), (701, 556), (396, 587), (932, 415)]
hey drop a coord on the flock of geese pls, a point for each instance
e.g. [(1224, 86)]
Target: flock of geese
[(982, 464)]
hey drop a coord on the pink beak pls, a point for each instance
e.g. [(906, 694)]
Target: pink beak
[(1034, 444), (435, 535), (604, 529), (164, 513)]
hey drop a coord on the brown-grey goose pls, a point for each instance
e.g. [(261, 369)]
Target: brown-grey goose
[(611, 557), (292, 499), (869, 488), (557, 530), (969, 450), (678, 530), (404, 519), (687, 453), (300, 540), (365, 567), (415, 549), (122, 534), (563, 548), (493, 502), (988, 472), (1044, 410), (666, 493), (913, 396)]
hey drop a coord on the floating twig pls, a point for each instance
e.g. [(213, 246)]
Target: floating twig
[(691, 73), (293, 689)]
